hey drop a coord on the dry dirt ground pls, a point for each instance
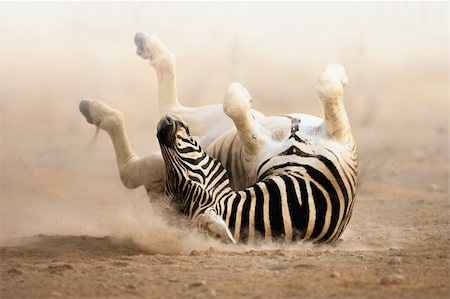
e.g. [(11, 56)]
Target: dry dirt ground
[(70, 230)]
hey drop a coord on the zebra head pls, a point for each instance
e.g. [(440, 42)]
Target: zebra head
[(193, 178), (182, 156)]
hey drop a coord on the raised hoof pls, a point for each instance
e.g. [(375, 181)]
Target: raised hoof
[(84, 109), (237, 101), (150, 47), (336, 72), (100, 114), (330, 86)]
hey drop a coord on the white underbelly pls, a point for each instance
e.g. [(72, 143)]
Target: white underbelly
[(227, 148)]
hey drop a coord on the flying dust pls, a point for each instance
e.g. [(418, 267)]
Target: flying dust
[(103, 240)]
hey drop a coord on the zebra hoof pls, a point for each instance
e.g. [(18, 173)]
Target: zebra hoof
[(100, 114), (150, 47), (332, 81), (84, 109), (237, 101)]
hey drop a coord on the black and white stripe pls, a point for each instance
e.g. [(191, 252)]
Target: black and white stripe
[(303, 192)]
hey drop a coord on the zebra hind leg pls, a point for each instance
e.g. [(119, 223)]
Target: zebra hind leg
[(237, 104), (330, 89)]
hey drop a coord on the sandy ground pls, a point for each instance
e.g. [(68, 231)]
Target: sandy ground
[(69, 229)]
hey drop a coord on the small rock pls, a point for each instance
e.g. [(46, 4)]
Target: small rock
[(14, 271), (194, 253), (393, 279), (196, 284), (395, 261), (172, 279), (131, 287), (57, 294), (335, 274)]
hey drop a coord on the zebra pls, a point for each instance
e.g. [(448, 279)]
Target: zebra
[(301, 156), (294, 199)]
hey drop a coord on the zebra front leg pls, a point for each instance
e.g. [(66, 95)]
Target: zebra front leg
[(236, 105), (330, 89), (134, 171)]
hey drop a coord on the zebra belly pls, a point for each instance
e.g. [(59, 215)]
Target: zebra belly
[(228, 149)]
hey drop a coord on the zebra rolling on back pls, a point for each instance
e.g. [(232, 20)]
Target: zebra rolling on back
[(290, 177), (304, 193)]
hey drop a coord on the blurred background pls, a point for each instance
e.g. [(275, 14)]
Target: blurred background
[(55, 179)]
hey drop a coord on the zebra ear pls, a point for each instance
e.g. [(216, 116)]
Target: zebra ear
[(215, 225)]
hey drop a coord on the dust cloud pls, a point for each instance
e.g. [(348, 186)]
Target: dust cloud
[(56, 181)]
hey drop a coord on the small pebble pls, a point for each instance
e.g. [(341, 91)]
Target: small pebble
[(335, 274), (172, 279), (393, 279), (197, 284), (395, 261)]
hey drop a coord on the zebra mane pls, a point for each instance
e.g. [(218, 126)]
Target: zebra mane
[(207, 168)]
